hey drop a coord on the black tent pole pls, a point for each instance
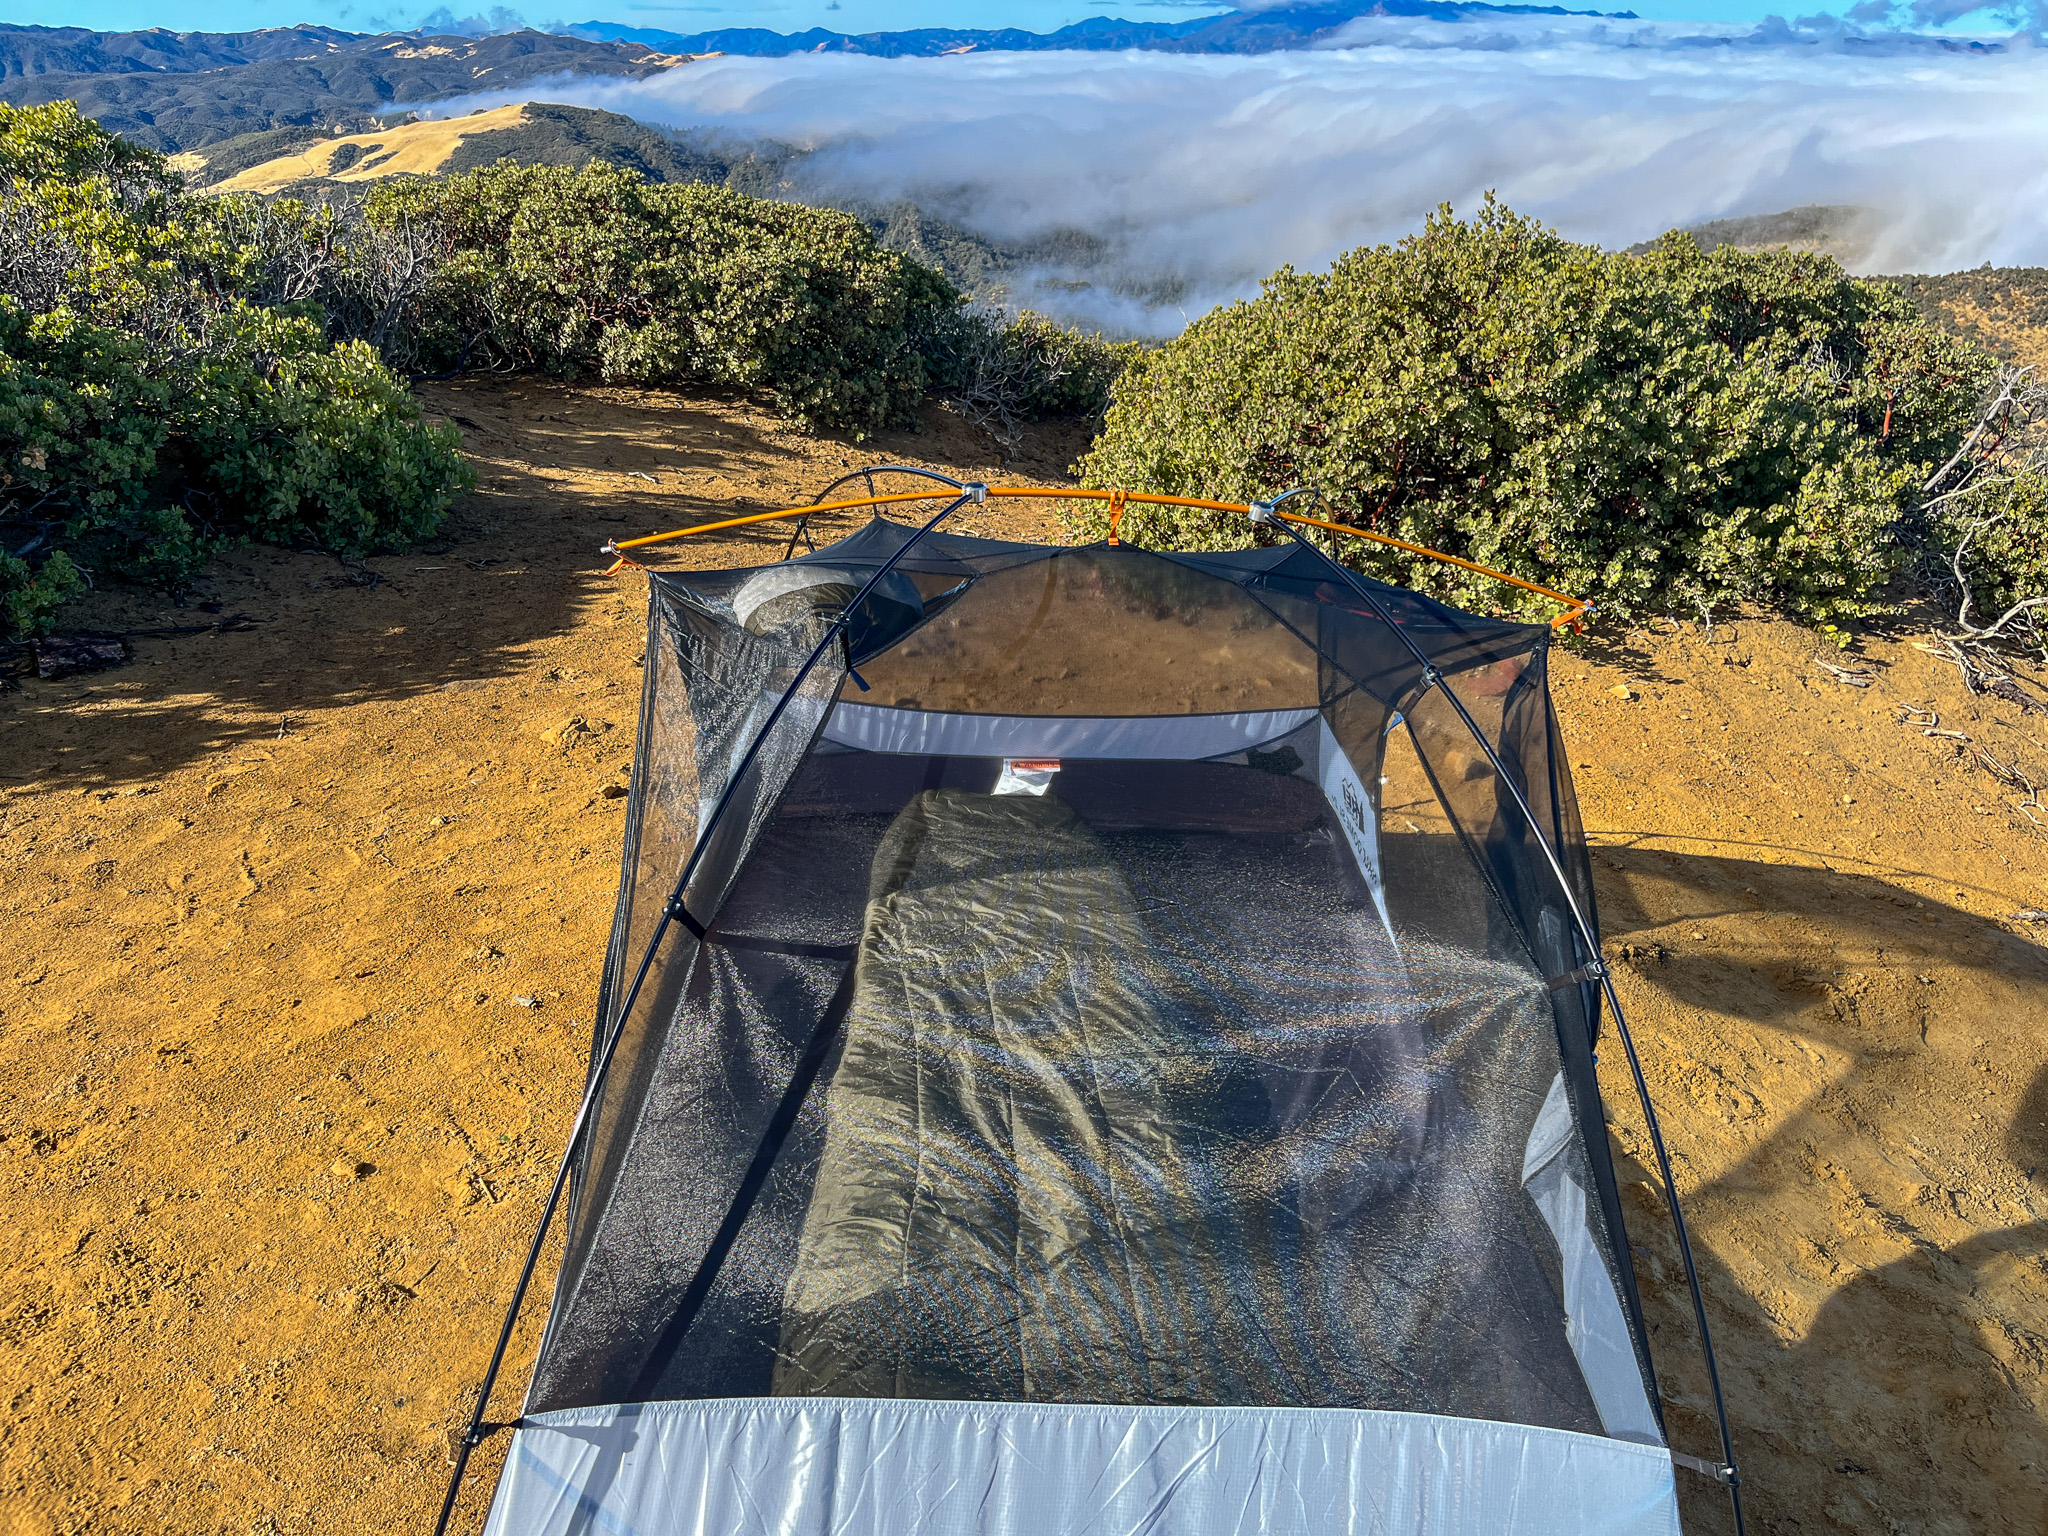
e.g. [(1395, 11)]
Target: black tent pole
[(1263, 513), (673, 912), (474, 1434)]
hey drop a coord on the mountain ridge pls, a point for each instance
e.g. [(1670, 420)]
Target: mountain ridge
[(28, 52), (338, 89), (1263, 31), (31, 50)]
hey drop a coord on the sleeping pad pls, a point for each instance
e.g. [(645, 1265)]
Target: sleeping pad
[(1007, 1205)]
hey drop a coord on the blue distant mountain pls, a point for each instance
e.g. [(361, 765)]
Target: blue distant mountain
[(1272, 31)]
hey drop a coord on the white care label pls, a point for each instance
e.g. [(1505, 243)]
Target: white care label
[(1026, 775), (1357, 813)]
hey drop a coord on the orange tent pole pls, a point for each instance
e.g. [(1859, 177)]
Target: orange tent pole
[(1118, 500)]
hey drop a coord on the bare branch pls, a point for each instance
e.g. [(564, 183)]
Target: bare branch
[(1974, 492), (2009, 381)]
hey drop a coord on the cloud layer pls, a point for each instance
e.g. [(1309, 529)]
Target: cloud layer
[(1209, 172)]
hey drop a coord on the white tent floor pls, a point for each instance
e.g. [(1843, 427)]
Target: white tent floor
[(867, 1467)]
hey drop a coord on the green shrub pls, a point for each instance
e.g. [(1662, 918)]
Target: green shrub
[(30, 597), (149, 414), (55, 145), (598, 269), (1679, 428), (310, 442)]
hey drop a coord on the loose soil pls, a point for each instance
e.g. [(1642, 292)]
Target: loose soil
[(299, 943)]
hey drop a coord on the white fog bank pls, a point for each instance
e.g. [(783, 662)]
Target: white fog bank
[(1210, 172)]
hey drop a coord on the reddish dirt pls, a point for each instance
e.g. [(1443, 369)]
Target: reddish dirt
[(300, 946)]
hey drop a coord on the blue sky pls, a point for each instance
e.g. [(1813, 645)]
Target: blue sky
[(671, 15), (703, 15)]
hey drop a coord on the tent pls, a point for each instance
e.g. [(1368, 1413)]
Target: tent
[(1093, 1040)]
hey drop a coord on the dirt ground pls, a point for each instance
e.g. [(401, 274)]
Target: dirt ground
[(299, 945)]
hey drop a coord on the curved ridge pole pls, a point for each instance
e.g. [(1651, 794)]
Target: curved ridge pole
[(873, 470), (672, 913), (1576, 610), (1265, 513), (617, 547)]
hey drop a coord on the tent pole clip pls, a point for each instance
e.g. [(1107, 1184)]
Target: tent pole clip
[(976, 492), (677, 912), (1592, 970), (1719, 1471), (1430, 678), (1261, 513)]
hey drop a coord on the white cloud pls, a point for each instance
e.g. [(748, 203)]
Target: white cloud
[(1216, 170)]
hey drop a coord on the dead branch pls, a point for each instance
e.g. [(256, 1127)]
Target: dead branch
[(1968, 598), (2007, 446), (2015, 777), (2011, 382)]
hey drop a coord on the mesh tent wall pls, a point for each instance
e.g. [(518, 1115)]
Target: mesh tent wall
[(1123, 1061)]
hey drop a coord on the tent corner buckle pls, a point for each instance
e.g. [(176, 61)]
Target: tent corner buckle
[(1720, 1471)]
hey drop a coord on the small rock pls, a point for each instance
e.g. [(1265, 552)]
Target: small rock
[(1848, 799), (1622, 691), (347, 1168), (61, 655), (465, 685), (526, 1002), (614, 792)]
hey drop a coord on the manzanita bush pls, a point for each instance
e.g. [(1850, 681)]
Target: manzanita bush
[(599, 270), (1675, 429)]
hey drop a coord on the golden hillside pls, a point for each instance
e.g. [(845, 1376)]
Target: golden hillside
[(420, 149)]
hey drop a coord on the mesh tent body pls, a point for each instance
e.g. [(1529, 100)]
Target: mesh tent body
[(1123, 1064)]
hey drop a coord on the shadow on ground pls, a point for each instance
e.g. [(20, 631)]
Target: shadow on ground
[(1851, 1078), (562, 470)]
